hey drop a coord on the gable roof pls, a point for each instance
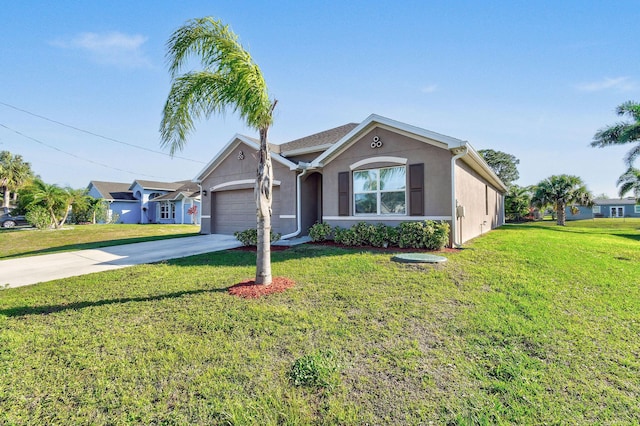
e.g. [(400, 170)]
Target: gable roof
[(375, 120), (116, 191), (187, 190), (160, 186), (236, 140)]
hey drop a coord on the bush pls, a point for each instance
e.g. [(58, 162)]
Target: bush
[(428, 234), (382, 235), (320, 232), (39, 217), (316, 370), (250, 237)]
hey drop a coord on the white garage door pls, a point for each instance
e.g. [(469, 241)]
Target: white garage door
[(236, 210)]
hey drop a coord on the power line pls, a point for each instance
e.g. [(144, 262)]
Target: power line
[(77, 156), (98, 135)]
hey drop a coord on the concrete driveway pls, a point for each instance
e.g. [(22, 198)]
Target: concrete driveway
[(36, 269)]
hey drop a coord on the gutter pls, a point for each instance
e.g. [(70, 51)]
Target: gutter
[(461, 152), (305, 168)]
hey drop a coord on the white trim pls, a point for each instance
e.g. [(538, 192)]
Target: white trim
[(238, 182), (205, 216), (596, 209), (381, 159), (636, 208), (383, 218), (287, 216), (236, 140)]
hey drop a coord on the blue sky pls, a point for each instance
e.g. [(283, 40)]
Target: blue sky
[(534, 79)]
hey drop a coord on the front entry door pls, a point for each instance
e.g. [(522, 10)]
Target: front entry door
[(617, 212)]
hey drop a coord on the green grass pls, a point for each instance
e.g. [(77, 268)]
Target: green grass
[(19, 242), (529, 324)]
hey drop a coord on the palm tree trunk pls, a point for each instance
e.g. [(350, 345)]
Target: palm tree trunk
[(5, 196), (263, 193), (562, 213)]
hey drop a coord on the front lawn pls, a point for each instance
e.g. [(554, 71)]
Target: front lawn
[(529, 324), (18, 242)]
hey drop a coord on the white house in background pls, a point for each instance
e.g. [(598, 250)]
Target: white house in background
[(146, 201)]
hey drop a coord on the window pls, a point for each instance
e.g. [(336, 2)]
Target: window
[(616, 211), (636, 208), (380, 191), (596, 210), (167, 210)]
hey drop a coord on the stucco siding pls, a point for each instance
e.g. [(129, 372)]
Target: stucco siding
[(235, 174), (483, 204), (437, 177)]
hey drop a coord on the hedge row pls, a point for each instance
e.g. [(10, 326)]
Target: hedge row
[(428, 234)]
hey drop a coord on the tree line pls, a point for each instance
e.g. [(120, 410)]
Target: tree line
[(44, 205)]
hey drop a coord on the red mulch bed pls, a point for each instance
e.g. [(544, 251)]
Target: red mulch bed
[(250, 290)]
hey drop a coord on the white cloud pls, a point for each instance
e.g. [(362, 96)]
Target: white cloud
[(114, 48), (620, 84), (429, 89)]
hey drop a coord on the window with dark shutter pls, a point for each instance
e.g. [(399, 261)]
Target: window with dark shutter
[(343, 193), (416, 189)]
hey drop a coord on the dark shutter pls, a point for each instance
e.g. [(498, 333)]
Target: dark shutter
[(343, 193), (416, 189)]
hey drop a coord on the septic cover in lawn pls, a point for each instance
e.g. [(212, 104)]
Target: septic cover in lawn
[(418, 258)]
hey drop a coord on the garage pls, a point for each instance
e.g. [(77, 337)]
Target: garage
[(235, 210)]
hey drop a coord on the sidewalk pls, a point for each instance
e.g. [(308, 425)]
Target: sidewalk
[(35, 269)]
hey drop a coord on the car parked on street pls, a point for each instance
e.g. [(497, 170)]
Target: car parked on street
[(8, 221)]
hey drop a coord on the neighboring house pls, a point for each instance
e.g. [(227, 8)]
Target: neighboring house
[(607, 207), (120, 199), (175, 206), (146, 201), (378, 171)]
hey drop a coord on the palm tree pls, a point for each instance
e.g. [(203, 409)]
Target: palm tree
[(560, 191), (630, 181), (229, 80), (14, 173), (622, 132)]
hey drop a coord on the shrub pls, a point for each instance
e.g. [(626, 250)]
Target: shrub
[(320, 232), (427, 234), (39, 217), (382, 235), (250, 237), (315, 370)]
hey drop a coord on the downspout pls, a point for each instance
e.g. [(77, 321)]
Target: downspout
[(200, 209), (461, 152), (298, 204)]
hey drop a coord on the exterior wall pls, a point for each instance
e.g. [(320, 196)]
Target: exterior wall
[(629, 210), (483, 204), (127, 211), (232, 169), (437, 177), (583, 213)]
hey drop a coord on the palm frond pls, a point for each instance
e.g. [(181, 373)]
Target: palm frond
[(230, 80)]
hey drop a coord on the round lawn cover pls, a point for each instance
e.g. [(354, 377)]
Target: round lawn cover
[(418, 258)]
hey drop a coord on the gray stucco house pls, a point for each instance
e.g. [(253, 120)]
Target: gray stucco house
[(607, 207), (378, 171)]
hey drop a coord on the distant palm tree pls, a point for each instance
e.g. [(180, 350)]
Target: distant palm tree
[(630, 182), (560, 191), (14, 173), (230, 80), (622, 132)]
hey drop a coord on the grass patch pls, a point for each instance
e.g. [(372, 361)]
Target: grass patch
[(20, 242), (530, 324)]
